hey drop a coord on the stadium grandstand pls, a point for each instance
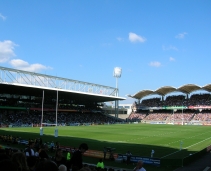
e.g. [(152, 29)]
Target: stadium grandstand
[(188, 104), (28, 98), (24, 94), (35, 100)]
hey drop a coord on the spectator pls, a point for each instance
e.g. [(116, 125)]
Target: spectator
[(20, 160), (43, 152), (100, 164), (69, 155), (52, 146), (62, 168), (104, 152), (128, 154), (32, 162), (30, 151), (59, 158), (139, 166), (152, 153), (3, 155), (47, 165), (8, 165), (57, 145), (76, 162)]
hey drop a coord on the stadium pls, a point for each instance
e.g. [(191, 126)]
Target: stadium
[(175, 127)]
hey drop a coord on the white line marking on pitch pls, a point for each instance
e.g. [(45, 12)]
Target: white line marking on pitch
[(185, 148), (184, 139)]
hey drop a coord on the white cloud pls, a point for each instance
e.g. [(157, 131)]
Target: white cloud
[(171, 59), (23, 65), (6, 50), (155, 64), (136, 38), (181, 35), (169, 47), (2, 17)]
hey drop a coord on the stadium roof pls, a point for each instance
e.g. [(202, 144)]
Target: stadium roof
[(32, 84), (187, 89)]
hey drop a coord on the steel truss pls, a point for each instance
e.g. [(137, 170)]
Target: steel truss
[(25, 78)]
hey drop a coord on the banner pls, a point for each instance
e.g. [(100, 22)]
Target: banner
[(199, 107), (146, 160), (174, 107)]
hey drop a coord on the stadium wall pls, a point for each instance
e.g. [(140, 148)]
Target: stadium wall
[(121, 116)]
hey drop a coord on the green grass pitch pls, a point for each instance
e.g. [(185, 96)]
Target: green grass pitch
[(140, 139)]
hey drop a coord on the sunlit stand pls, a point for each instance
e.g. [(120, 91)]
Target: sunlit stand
[(117, 74)]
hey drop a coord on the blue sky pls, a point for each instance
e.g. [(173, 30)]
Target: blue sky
[(156, 43)]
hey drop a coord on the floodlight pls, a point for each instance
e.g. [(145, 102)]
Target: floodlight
[(117, 72)]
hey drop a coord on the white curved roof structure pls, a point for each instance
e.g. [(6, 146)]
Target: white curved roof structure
[(29, 83), (187, 89)]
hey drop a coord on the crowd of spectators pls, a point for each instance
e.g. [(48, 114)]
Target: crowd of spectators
[(153, 102), (174, 100), (157, 116), (136, 117), (40, 160), (204, 116), (177, 100), (21, 118), (170, 117), (182, 113), (49, 103), (27, 110), (199, 100), (186, 117)]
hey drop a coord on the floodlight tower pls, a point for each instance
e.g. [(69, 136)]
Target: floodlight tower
[(117, 74)]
